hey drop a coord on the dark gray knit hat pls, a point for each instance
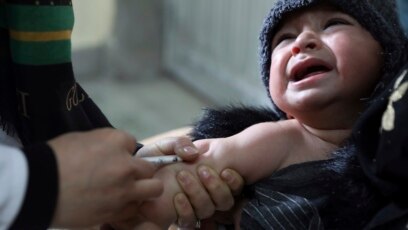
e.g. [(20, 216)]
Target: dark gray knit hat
[(379, 17)]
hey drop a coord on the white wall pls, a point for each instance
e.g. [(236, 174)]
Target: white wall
[(117, 38), (213, 46), (93, 22)]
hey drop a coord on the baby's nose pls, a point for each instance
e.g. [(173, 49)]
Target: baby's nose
[(295, 50)]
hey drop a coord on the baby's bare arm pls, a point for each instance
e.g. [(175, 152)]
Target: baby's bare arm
[(256, 152), (247, 152)]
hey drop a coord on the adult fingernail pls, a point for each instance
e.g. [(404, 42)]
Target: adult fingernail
[(227, 176), (190, 150), (181, 199), (203, 172), (183, 178)]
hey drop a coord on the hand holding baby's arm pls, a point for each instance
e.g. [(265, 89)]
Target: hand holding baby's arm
[(205, 193), (215, 195)]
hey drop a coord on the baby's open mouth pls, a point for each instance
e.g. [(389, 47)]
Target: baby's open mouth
[(310, 71)]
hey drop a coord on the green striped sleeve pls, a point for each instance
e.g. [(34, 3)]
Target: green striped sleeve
[(40, 34), (40, 18), (41, 53)]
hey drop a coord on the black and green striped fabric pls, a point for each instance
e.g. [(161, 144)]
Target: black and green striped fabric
[(39, 96), (37, 66), (40, 31), (40, 35)]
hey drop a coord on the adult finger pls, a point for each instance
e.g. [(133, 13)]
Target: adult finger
[(219, 191), (132, 224), (145, 189), (234, 180), (142, 169), (146, 225), (182, 146), (185, 212), (197, 195), (121, 138), (185, 148)]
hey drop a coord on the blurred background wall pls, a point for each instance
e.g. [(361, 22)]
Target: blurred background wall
[(213, 46), (202, 49)]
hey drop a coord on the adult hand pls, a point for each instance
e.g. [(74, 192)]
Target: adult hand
[(230, 217), (201, 198), (99, 180), (181, 146)]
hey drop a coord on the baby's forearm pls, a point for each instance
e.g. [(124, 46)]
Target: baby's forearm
[(235, 160), (255, 153)]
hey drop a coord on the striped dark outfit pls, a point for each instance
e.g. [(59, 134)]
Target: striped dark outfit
[(326, 194)]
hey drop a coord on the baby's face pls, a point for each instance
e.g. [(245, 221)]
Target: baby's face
[(322, 59)]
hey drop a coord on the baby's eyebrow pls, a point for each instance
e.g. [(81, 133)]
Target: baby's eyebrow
[(338, 13)]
